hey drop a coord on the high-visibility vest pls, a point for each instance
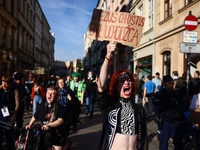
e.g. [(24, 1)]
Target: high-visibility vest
[(84, 84), (79, 91)]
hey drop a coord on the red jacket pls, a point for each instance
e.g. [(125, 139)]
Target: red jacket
[(41, 89)]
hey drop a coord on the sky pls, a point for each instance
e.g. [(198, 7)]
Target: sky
[(69, 20)]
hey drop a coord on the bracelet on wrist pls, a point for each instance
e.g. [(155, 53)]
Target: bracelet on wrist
[(107, 58)]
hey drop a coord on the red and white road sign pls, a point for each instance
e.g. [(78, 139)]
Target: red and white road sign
[(191, 22)]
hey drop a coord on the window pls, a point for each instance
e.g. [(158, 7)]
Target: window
[(12, 41), (141, 10), (167, 62), (23, 7), (3, 68), (27, 12), (19, 4), (12, 68), (31, 14), (187, 2), (3, 36), (144, 66), (168, 8), (4, 3), (26, 41), (150, 14), (23, 33), (12, 7)]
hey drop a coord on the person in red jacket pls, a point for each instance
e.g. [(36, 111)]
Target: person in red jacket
[(37, 95)]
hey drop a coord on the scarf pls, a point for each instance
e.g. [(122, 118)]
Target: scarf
[(127, 117)]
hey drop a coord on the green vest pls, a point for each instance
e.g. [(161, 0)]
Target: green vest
[(80, 87), (84, 84)]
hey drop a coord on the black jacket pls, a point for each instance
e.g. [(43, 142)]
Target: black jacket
[(90, 87), (169, 105), (112, 109)]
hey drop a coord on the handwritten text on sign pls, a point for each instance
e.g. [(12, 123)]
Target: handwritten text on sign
[(116, 26)]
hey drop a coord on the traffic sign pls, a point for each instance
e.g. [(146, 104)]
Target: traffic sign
[(189, 48), (191, 22), (190, 36)]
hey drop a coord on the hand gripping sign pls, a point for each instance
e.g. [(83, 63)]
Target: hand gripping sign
[(120, 27)]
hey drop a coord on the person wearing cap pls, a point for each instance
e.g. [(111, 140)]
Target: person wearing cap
[(158, 82), (169, 107), (124, 121), (77, 86)]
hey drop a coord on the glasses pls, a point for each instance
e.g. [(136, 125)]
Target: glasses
[(124, 79)]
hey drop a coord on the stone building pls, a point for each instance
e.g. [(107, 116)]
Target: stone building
[(8, 36), (96, 53), (44, 57), (25, 40), (38, 34), (142, 58), (162, 34), (26, 35), (170, 17)]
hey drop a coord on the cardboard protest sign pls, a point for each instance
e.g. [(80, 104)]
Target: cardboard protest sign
[(120, 27)]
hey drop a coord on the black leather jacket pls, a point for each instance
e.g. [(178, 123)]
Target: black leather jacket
[(112, 108)]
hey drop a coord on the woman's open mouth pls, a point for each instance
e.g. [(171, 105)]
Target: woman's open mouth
[(127, 91)]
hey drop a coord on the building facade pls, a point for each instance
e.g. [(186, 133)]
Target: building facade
[(8, 38), (26, 35), (38, 34), (25, 41), (143, 57), (51, 51), (170, 17), (45, 43), (96, 53), (63, 68)]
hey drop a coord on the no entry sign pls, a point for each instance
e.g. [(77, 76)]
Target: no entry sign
[(191, 22)]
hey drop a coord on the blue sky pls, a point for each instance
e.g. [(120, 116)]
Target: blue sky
[(69, 20)]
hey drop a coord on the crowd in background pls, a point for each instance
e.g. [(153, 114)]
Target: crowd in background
[(166, 101), (24, 92)]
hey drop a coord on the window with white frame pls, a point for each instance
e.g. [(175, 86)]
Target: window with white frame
[(150, 14)]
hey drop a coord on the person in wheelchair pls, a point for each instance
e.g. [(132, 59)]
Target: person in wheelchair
[(51, 115)]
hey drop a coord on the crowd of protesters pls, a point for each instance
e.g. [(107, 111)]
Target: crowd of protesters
[(24, 92), (164, 100)]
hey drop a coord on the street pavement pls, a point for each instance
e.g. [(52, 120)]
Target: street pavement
[(88, 133)]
